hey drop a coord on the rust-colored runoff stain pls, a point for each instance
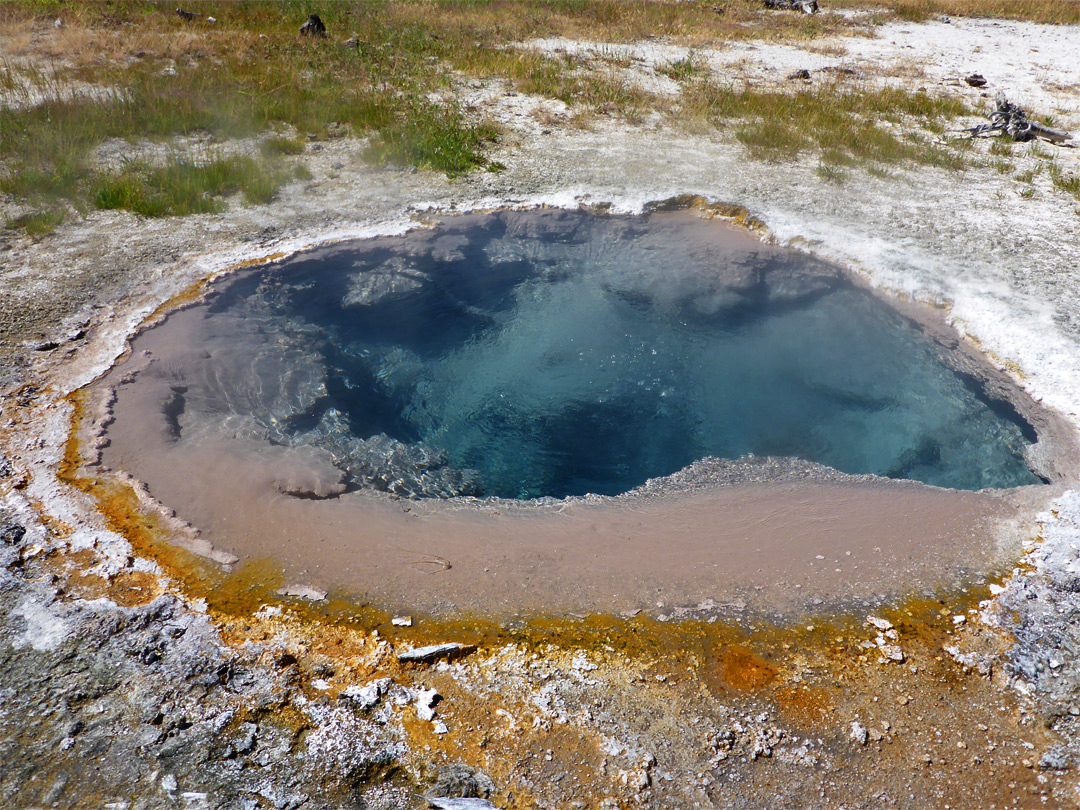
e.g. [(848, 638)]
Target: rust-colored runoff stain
[(196, 291), (743, 669), (127, 589)]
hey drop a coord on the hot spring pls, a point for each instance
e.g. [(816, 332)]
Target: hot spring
[(426, 421)]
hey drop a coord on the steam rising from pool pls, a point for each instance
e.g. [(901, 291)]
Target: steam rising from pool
[(559, 354)]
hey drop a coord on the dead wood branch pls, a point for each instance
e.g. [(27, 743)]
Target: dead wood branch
[(805, 6), (1008, 119)]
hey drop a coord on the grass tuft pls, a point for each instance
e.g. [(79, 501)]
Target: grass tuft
[(182, 188), (848, 124), (432, 137), (1066, 181), (830, 173), (1029, 175), (38, 223), (276, 146), (686, 69)]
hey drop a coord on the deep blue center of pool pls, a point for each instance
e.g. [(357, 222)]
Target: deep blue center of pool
[(556, 354)]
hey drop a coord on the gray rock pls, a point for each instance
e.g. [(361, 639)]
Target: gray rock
[(245, 743), (463, 781), (447, 803), (300, 591), (859, 734), (11, 532), (1056, 759), (367, 696)]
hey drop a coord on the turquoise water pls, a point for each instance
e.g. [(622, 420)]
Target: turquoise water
[(554, 354)]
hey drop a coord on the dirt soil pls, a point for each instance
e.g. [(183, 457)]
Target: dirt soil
[(132, 676)]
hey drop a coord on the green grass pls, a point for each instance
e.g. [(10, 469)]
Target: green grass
[(38, 223), (846, 123), (1036, 150), (1065, 181), (1029, 175), (831, 173), (432, 137), (589, 89), (235, 83), (1046, 11), (251, 76), (181, 188), (683, 70), (276, 146)]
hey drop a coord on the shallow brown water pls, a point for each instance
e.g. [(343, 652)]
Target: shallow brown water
[(812, 541), (774, 545)]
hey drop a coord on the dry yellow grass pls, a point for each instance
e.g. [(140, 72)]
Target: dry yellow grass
[(1045, 11), (250, 72)]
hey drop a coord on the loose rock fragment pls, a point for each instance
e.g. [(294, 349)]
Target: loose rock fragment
[(425, 703), (891, 652), (424, 655), (367, 696), (446, 803), (638, 779), (462, 781), (308, 592), (1056, 759), (859, 733)]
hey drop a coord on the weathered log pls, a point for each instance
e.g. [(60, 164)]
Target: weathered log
[(805, 6), (1008, 119)]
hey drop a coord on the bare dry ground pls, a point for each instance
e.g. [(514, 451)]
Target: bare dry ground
[(134, 674)]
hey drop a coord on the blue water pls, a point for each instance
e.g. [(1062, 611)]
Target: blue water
[(556, 354)]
